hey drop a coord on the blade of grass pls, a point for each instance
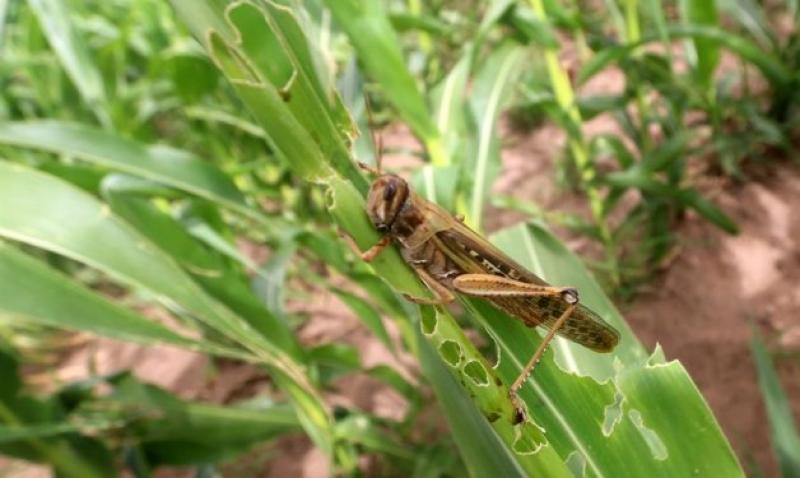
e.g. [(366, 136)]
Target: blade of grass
[(770, 66), (176, 431), (175, 168), (371, 33), (706, 50), (472, 434), (491, 88), (74, 55), (78, 226), (278, 53), (211, 271), (785, 438), (34, 292), (3, 13)]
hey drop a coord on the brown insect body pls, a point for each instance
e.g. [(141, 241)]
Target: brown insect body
[(435, 243)]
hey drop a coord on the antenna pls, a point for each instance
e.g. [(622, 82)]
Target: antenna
[(377, 140)]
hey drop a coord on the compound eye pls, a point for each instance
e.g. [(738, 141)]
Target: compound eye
[(382, 228), (389, 192)]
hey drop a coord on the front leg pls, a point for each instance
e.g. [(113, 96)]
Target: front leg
[(370, 253), (373, 251)]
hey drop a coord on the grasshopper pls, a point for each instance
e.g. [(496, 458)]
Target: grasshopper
[(450, 257)]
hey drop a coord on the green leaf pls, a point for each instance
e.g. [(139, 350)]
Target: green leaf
[(287, 138), (452, 118), (76, 225), (333, 360), (361, 430), (403, 22), (34, 292), (770, 66), (448, 96), (30, 430), (785, 439), (391, 377), (536, 31), (228, 284), (167, 166), (271, 277), (706, 50), (750, 15), (73, 54), (482, 450), (204, 16), (371, 33), (192, 75), (3, 14), (174, 431), (277, 52), (708, 210), (607, 409), (492, 86)]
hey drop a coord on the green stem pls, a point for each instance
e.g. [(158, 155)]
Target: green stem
[(633, 35)]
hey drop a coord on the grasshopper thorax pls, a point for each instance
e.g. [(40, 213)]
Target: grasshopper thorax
[(387, 197)]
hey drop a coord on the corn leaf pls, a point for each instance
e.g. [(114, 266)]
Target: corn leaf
[(34, 292), (371, 33), (80, 227), (73, 53), (604, 410), (166, 166)]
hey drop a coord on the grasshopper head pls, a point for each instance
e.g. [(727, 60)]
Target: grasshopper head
[(387, 196)]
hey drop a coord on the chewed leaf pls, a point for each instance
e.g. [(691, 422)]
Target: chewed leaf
[(654, 442), (476, 372), (450, 351), (613, 415), (619, 416), (271, 43), (531, 439)]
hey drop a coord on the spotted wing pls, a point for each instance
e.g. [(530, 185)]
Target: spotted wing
[(474, 254)]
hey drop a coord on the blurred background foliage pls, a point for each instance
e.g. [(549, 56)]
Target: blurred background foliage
[(148, 148)]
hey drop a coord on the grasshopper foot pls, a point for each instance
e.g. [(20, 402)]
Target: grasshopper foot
[(570, 295)]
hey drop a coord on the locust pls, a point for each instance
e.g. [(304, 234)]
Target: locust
[(451, 258)]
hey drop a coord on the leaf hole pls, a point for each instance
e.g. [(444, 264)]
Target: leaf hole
[(654, 442), (530, 439), (576, 463), (429, 321), (450, 352), (612, 415), (477, 373)]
